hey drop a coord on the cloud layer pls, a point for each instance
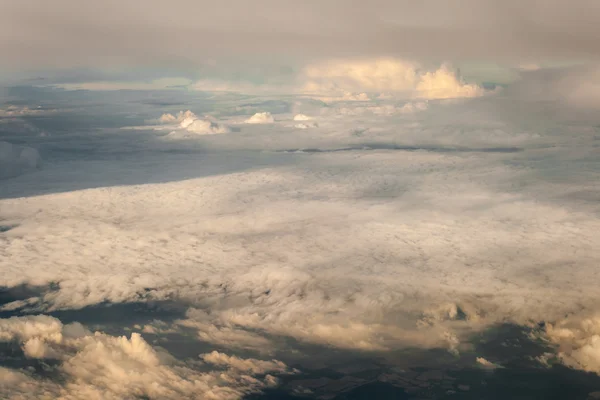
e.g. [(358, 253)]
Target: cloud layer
[(261, 118), (393, 224)]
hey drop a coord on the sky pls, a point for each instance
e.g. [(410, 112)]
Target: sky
[(218, 200), (267, 39)]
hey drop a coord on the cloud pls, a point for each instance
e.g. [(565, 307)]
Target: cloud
[(238, 86), (97, 365), (444, 84), (385, 109), (410, 229), (578, 341), (351, 79), (186, 124), (385, 75), (306, 125), (210, 330), (15, 111), (157, 84), (304, 122), (486, 364), (16, 160), (261, 118), (575, 88), (18, 385), (302, 117), (375, 243), (244, 365)]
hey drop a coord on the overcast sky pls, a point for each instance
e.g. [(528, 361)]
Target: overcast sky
[(191, 35)]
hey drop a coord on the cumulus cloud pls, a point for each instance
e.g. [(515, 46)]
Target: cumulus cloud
[(186, 124), (578, 341), (261, 118), (361, 80), (97, 365), (444, 83), (385, 75), (302, 117), (16, 160)]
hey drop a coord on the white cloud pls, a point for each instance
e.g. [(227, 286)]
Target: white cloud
[(305, 122), (261, 118), (486, 364), (360, 80), (205, 127), (445, 84), (100, 366), (302, 117), (578, 341), (16, 160), (186, 124), (179, 117), (384, 75)]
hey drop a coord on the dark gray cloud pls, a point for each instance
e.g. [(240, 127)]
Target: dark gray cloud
[(70, 33)]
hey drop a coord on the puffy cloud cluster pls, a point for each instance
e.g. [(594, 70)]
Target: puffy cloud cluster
[(261, 118), (578, 341), (444, 83), (181, 118), (100, 366), (188, 123), (16, 160), (384, 75), (361, 80)]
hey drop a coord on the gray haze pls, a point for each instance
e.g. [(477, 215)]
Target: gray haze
[(184, 33)]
